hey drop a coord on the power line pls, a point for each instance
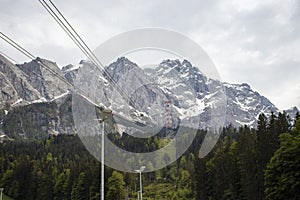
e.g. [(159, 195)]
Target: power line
[(91, 55), (79, 91), (85, 45), (30, 56), (63, 26), (8, 57), (15, 45), (67, 27), (79, 41)]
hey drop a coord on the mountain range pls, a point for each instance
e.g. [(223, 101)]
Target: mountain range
[(33, 100)]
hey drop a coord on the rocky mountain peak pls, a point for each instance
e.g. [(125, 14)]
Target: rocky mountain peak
[(184, 67), (30, 82), (183, 72), (170, 63), (292, 112), (67, 68), (120, 67), (35, 67), (14, 86), (42, 79), (122, 63), (70, 71)]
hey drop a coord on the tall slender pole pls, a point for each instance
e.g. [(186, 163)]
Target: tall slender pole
[(102, 162), (141, 189), (1, 190)]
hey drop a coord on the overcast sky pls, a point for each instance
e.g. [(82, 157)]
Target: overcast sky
[(252, 41)]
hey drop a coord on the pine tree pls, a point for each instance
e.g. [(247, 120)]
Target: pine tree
[(222, 171), (273, 133), (283, 123), (264, 152), (282, 177), (8, 182), (246, 155), (60, 190), (80, 189), (66, 188), (201, 179), (116, 188), (45, 188)]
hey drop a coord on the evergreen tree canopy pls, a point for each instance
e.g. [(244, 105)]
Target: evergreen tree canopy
[(116, 185), (282, 177)]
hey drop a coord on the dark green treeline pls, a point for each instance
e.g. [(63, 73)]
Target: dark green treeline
[(251, 164)]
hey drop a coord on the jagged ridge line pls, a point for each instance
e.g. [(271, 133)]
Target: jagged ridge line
[(30, 56)]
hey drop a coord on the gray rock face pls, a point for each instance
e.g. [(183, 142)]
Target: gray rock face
[(14, 84), (192, 93), (292, 112), (244, 105), (42, 79), (29, 82), (37, 99), (70, 72)]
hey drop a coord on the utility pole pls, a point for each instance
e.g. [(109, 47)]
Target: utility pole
[(141, 187), (1, 190), (106, 113), (102, 162)]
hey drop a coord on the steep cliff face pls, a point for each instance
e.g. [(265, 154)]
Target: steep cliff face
[(38, 120), (29, 82), (31, 98), (292, 113), (70, 72), (35, 121), (42, 79), (14, 84), (244, 105)]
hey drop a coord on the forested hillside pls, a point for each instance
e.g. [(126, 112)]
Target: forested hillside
[(246, 163)]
